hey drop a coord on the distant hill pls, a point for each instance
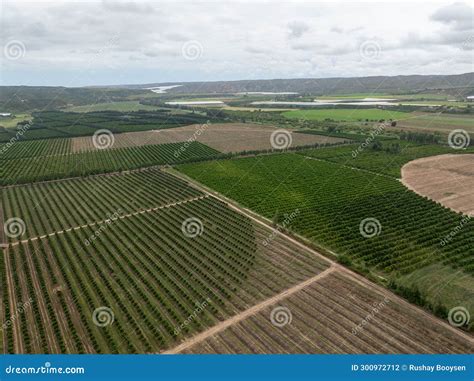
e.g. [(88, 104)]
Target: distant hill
[(27, 98), (464, 83)]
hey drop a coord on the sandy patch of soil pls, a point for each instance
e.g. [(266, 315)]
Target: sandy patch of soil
[(447, 179)]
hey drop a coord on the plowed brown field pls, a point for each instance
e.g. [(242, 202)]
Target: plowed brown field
[(448, 179), (229, 137)]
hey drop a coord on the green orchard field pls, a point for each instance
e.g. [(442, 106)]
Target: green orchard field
[(145, 276), (53, 206), (40, 168), (381, 162), (336, 202)]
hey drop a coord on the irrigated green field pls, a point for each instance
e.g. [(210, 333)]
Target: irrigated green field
[(348, 115)]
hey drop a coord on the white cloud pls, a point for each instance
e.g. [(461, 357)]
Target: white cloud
[(460, 15), (240, 40), (297, 28)]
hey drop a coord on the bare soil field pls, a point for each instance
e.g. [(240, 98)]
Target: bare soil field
[(447, 179), (337, 313), (229, 137)]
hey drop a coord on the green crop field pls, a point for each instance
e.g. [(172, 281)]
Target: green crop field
[(334, 201), (50, 124), (382, 162), (34, 148), (49, 207), (134, 287), (12, 121), (348, 115), (24, 170)]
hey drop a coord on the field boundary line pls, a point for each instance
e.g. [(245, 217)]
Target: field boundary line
[(109, 220), (3, 240), (250, 311)]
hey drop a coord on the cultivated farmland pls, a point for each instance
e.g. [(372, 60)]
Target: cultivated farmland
[(348, 115), (339, 313), (371, 221), (418, 121), (26, 170), (229, 137), (448, 179), (35, 148), (147, 276), (382, 161), (54, 206)]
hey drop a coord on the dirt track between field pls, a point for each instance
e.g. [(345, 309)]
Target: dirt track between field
[(121, 217), (447, 179), (249, 312)]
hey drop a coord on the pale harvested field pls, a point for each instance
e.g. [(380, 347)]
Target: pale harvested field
[(229, 137), (448, 179), (339, 313)]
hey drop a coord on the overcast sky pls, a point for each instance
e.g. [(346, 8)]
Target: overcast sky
[(112, 42)]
